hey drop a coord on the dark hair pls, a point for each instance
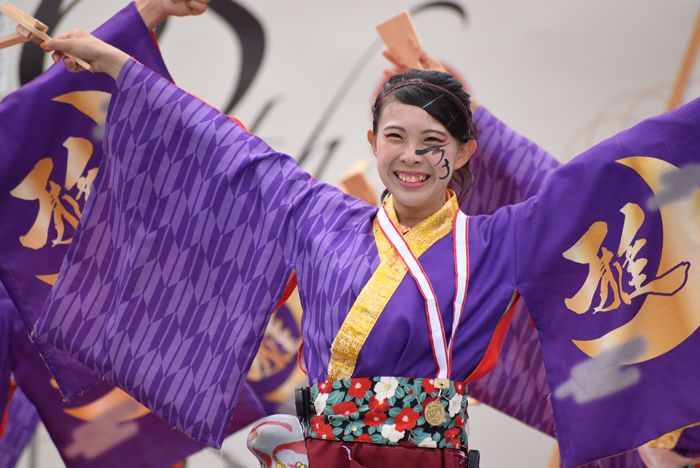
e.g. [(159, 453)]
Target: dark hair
[(445, 100)]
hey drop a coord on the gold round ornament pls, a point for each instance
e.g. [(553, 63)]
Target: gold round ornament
[(434, 413)]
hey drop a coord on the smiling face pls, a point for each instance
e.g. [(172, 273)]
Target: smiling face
[(416, 157)]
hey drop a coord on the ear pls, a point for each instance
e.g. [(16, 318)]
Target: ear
[(465, 152), (372, 141)]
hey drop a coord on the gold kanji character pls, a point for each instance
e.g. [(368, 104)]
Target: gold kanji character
[(601, 267), (37, 186)]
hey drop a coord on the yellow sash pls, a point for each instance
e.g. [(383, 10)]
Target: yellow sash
[(381, 286)]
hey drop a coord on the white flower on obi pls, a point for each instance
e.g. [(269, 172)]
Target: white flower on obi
[(385, 388), (320, 402), (389, 431), (428, 442), (455, 404)]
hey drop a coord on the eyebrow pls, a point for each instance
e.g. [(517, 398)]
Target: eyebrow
[(428, 130)]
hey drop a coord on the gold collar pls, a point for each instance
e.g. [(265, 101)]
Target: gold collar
[(424, 234), (381, 286)]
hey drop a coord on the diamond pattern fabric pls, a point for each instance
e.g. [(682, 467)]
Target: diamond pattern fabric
[(509, 169), (196, 226), (178, 269)]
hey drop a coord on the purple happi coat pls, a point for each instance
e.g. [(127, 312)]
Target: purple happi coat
[(196, 225), (101, 427), (509, 169)]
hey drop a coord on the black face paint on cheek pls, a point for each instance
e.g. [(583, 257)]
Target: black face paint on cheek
[(433, 149), (436, 149), (446, 166)]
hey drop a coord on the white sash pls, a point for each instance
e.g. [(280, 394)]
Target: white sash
[(441, 352)]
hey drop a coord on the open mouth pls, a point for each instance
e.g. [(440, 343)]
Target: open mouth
[(411, 178)]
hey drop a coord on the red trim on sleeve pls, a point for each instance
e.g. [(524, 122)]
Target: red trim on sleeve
[(235, 120), (155, 39), (238, 122), (490, 359), (3, 423), (288, 289), (300, 355)]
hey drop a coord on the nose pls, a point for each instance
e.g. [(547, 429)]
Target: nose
[(410, 157)]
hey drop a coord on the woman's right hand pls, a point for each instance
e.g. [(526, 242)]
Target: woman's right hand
[(79, 43)]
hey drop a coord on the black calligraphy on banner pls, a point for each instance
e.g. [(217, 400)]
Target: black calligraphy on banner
[(251, 35), (242, 22), (31, 62)]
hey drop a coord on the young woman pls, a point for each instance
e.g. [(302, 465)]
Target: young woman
[(403, 305)]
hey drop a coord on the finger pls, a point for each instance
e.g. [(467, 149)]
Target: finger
[(388, 73), (57, 56), (426, 60), (62, 42), (431, 63), (387, 55), (70, 64), (65, 35), (45, 47), (59, 46), (49, 46), (197, 7)]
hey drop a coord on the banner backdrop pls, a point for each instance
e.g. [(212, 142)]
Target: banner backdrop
[(536, 65), (305, 84)]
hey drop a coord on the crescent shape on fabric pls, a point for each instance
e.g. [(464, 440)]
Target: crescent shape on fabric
[(663, 321), (128, 408)]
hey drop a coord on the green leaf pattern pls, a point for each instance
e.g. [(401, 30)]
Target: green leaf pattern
[(387, 396)]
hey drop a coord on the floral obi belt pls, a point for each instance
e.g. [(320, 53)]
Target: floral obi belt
[(389, 410)]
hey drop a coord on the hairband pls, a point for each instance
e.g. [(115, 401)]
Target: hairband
[(424, 83)]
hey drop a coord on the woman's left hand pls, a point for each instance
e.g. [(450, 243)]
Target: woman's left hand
[(427, 62), (154, 12)]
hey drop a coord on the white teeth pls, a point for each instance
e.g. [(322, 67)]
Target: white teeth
[(412, 179)]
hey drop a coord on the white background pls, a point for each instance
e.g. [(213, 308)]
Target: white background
[(565, 74)]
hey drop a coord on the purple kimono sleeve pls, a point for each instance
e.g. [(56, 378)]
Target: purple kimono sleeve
[(22, 419), (22, 416), (509, 169), (6, 308), (619, 345), (38, 104), (688, 444), (181, 255)]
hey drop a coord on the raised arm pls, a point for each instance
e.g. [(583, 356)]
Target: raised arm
[(106, 58)]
